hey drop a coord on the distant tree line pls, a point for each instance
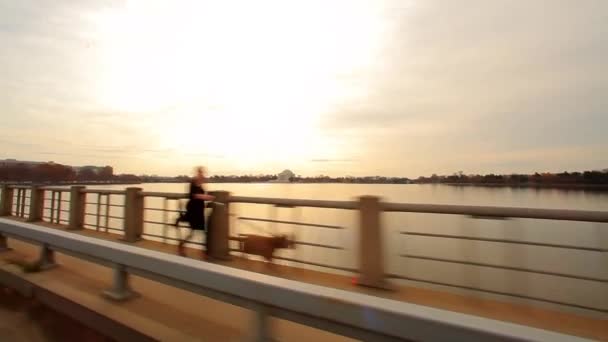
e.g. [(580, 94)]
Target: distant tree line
[(212, 179), (267, 178), (57, 173), (242, 179), (52, 173), (353, 180), (546, 178)]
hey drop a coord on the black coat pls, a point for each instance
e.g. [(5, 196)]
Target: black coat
[(195, 209)]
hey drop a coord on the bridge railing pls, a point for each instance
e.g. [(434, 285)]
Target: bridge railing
[(132, 208), (324, 241), (342, 312), (587, 285), (56, 205), (160, 211), (104, 210), (20, 201)]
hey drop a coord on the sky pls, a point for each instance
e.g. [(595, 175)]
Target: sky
[(340, 87)]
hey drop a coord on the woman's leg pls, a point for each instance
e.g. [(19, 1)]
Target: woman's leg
[(180, 246)]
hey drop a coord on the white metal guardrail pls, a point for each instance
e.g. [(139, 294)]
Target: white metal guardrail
[(351, 314)]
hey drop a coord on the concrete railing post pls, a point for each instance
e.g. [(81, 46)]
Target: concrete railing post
[(3, 243), (371, 258), (46, 260), (6, 200), (134, 215), (121, 290), (36, 204), (261, 324), (218, 232), (77, 207)]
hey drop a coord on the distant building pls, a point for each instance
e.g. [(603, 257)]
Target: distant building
[(102, 171), (10, 162), (89, 169), (285, 176)]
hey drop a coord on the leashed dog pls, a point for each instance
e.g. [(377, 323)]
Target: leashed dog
[(263, 246)]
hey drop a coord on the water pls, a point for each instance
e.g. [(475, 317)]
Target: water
[(582, 263)]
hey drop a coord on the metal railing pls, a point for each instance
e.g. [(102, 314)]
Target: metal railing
[(56, 205), (342, 312), (102, 213), (20, 202), (166, 222), (469, 211), (487, 212), (287, 202), (499, 212), (370, 252)]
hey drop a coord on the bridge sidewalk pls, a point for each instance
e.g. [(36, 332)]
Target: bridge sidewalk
[(160, 312), (192, 315)]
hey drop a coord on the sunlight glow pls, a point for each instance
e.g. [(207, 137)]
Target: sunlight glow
[(259, 72)]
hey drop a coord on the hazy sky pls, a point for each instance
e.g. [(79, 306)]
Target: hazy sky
[(396, 88)]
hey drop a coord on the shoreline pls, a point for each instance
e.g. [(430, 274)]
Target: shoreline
[(590, 187), (594, 187), (69, 183)]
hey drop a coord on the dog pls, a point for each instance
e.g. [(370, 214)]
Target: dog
[(263, 246)]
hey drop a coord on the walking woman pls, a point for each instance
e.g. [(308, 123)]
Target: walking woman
[(195, 209)]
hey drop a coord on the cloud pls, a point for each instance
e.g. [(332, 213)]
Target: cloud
[(497, 78), (332, 160), (476, 84)]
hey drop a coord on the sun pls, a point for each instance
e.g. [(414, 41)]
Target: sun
[(240, 77)]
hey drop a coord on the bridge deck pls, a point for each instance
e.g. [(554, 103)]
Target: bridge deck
[(172, 314)]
